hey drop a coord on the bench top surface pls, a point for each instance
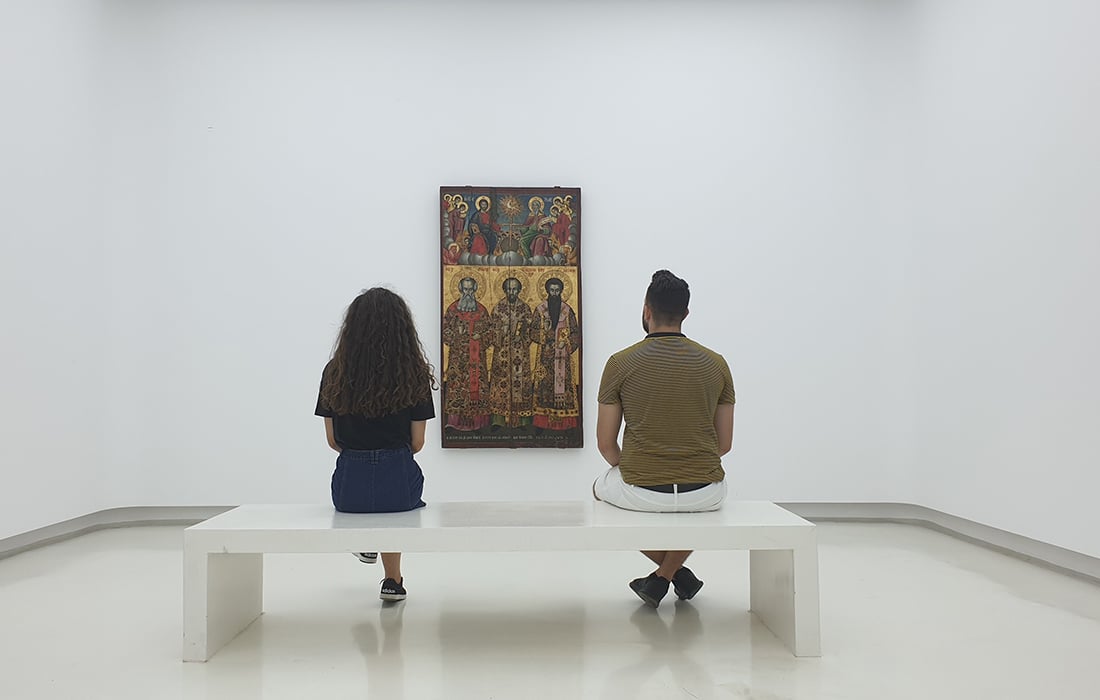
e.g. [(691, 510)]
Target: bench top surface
[(496, 514)]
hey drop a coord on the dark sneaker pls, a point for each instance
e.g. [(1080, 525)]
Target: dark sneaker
[(392, 590), (367, 557), (685, 584), (651, 589)]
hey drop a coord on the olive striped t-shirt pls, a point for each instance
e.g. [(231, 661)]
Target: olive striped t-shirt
[(669, 388)]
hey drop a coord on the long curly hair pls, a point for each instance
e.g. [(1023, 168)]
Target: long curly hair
[(379, 366)]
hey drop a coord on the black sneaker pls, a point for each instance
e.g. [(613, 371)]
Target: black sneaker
[(685, 584), (651, 589), (392, 590), (367, 557)]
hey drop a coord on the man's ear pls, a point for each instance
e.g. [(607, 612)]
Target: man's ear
[(686, 312)]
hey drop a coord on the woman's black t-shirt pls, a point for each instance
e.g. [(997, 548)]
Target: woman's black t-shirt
[(381, 433)]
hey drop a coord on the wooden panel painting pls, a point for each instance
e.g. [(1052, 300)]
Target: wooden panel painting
[(511, 316)]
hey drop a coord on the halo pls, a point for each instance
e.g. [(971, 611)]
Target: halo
[(499, 275), (542, 204), (566, 281), (463, 271), (565, 204), (524, 275), (477, 202)]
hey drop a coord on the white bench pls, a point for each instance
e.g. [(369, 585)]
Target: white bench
[(223, 556)]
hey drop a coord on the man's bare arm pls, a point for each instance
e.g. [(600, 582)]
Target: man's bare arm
[(608, 421), (723, 425)]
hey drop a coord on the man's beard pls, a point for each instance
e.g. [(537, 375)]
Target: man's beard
[(467, 302), (553, 306)]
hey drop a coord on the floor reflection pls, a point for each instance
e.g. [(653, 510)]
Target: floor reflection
[(540, 652), (380, 644), (670, 645)]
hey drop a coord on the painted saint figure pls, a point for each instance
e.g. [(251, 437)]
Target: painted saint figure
[(559, 231), (456, 218), (486, 223), (511, 387), (466, 333), (476, 240), (535, 231), (557, 334)]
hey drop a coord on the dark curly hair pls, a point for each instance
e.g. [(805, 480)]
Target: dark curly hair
[(667, 297), (379, 366)]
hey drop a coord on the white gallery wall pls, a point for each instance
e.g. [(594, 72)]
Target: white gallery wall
[(1005, 262), (231, 174), (52, 434)]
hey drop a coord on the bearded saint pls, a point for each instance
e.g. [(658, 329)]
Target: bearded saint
[(557, 335), (466, 332)]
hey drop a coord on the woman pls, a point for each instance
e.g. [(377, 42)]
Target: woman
[(375, 397)]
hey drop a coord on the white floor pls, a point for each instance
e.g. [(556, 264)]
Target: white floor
[(906, 613)]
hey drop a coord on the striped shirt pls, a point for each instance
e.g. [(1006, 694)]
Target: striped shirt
[(669, 388)]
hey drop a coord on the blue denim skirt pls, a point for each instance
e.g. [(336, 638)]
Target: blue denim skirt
[(377, 481)]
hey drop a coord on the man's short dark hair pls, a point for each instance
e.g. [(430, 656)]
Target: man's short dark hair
[(553, 280), (667, 297)]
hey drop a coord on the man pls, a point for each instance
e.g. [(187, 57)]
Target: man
[(510, 390), (557, 335), (465, 333), (677, 398)]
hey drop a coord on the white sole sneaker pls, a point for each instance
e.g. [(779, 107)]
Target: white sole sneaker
[(367, 557), (392, 590)]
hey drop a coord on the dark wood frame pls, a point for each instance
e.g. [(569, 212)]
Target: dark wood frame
[(532, 234)]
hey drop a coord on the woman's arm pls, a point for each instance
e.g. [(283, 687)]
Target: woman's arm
[(418, 429), (331, 435)]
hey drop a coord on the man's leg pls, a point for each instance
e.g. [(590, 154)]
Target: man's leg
[(668, 562), (671, 563), (687, 584), (657, 557), (653, 588), (611, 489)]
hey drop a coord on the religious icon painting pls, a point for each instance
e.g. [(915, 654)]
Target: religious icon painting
[(511, 316)]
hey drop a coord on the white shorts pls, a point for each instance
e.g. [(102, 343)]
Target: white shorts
[(610, 488)]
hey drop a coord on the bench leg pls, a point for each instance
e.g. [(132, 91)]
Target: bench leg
[(222, 595), (783, 593)]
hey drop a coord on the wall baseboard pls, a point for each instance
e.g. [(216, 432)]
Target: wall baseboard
[(135, 516), (1050, 556)]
